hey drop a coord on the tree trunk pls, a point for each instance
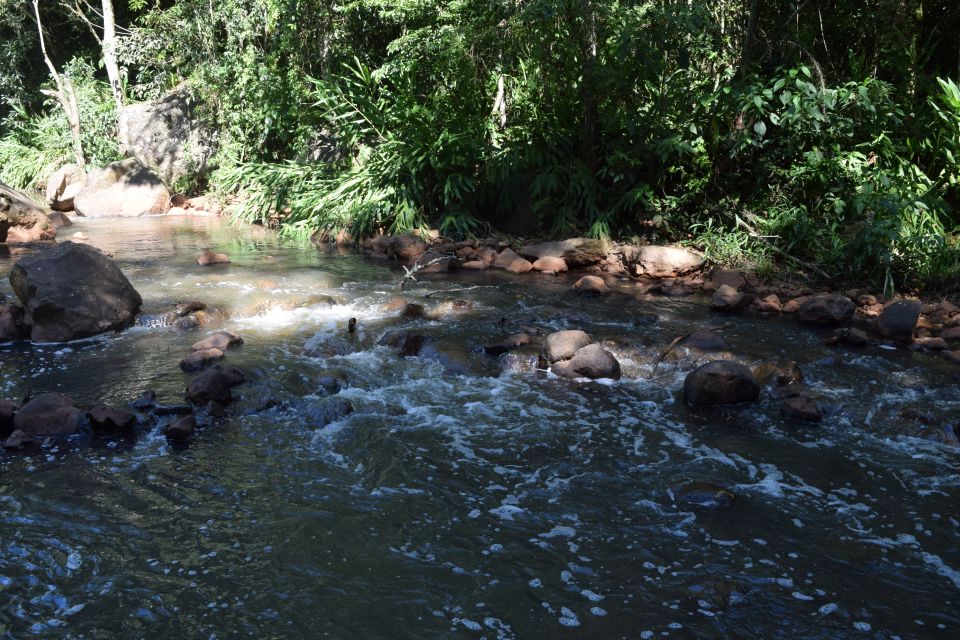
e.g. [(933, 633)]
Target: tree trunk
[(749, 37), (109, 46), (588, 94), (64, 94)]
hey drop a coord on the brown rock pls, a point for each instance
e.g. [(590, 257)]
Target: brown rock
[(728, 300), (720, 382), (591, 361), (578, 252), (705, 340), (800, 407), (849, 336), (563, 345), (475, 265), (931, 344), (734, 279), (213, 384), (221, 340), (208, 258), (508, 344), (11, 323), (407, 247), (520, 266), (16, 440), (200, 359), (48, 414), (654, 261), (950, 333), (768, 304), (826, 309), (181, 429), (110, 419), (593, 285), (792, 306), (550, 263), (898, 321), (771, 373), (406, 344)]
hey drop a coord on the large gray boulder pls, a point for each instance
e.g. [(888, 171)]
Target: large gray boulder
[(72, 291), (166, 136), (576, 252), (22, 219), (656, 261), (63, 186), (122, 189)]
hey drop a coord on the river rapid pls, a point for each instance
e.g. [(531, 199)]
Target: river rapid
[(458, 503)]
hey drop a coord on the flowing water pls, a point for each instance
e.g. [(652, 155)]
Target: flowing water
[(457, 503)]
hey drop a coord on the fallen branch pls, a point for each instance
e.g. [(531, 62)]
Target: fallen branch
[(417, 268), (754, 234), (675, 342)]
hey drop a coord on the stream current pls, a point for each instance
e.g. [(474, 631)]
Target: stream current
[(458, 503)]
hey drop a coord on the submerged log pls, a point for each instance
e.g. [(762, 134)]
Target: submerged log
[(22, 219)]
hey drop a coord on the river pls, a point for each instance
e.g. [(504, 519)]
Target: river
[(457, 503)]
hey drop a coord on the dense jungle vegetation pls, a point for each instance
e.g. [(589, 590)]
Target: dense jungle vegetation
[(763, 132)]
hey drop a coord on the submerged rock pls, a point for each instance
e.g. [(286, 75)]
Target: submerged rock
[(221, 340), (328, 412), (720, 382), (208, 258), (705, 495), (72, 291), (406, 343), (213, 385), (800, 407), (200, 359), (48, 414), (508, 344), (705, 340), (109, 419), (181, 429), (591, 285), (17, 440), (727, 299)]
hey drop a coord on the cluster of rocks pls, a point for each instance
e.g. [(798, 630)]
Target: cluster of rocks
[(430, 253), (726, 382)]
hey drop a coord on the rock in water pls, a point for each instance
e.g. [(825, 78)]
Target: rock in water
[(122, 190), (109, 419), (826, 309), (48, 414), (577, 252), (720, 382), (22, 219), (727, 299), (592, 361), (72, 291), (181, 429), (563, 345), (899, 320)]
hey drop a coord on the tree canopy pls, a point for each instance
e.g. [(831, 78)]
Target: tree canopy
[(826, 130)]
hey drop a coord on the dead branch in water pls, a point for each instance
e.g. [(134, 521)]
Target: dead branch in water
[(417, 267), (675, 342)]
